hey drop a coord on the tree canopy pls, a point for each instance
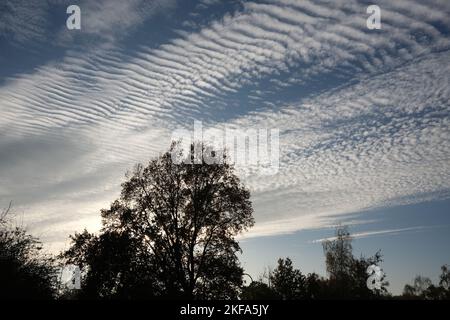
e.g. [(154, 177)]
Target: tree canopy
[(25, 272), (347, 274), (423, 287), (170, 234)]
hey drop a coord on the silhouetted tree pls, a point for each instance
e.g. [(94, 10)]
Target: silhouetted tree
[(25, 273), (338, 261), (347, 274), (359, 277), (338, 255), (315, 286), (114, 265), (423, 287), (171, 233), (258, 290), (444, 283), (418, 289), (287, 282)]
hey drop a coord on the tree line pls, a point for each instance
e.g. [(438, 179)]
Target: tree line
[(172, 235)]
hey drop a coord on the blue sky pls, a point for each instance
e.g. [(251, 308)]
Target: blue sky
[(363, 115)]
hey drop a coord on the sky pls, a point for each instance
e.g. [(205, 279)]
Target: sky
[(363, 116)]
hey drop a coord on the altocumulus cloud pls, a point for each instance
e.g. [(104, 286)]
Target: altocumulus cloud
[(377, 136)]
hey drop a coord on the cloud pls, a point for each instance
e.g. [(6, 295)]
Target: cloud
[(378, 136), (23, 21), (27, 22), (367, 234), (381, 142), (111, 20)]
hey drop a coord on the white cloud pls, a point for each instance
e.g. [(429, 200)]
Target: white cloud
[(109, 20), (23, 21), (27, 22), (366, 234), (382, 142), (379, 140)]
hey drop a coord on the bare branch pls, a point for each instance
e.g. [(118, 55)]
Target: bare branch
[(5, 212)]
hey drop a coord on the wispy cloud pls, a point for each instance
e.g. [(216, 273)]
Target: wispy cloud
[(27, 22), (367, 234), (111, 20), (23, 21)]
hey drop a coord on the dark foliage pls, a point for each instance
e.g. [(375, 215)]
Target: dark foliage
[(25, 273), (258, 290), (423, 288), (170, 235), (287, 282), (347, 274)]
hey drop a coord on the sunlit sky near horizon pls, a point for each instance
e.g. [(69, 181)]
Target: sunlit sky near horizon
[(363, 115)]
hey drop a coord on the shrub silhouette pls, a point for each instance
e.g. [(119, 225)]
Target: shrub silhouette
[(423, 287), (25, 273)]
